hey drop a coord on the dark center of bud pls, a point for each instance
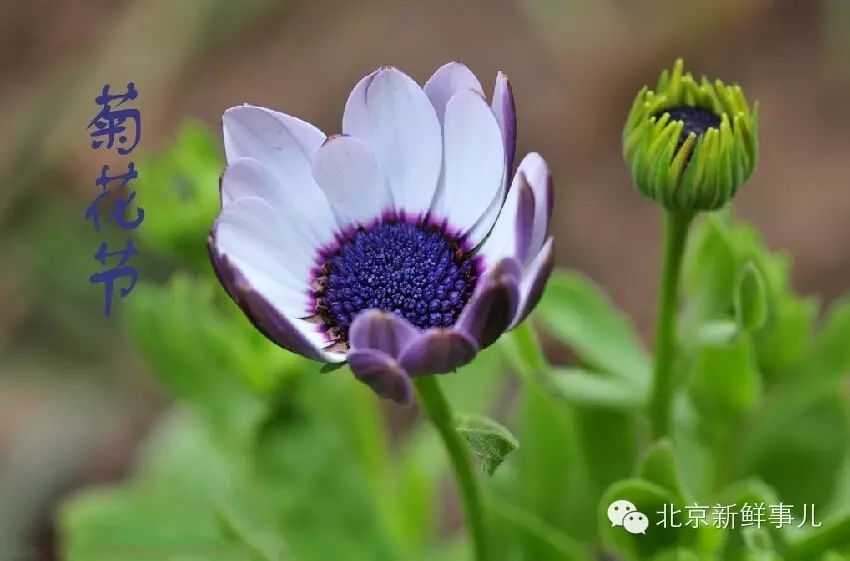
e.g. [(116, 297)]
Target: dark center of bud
[(696, 119), (416, 272)]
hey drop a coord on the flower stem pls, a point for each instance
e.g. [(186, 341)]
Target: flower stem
[(676, 226), (434, 402)]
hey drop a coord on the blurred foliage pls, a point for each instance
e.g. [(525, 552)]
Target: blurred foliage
[(180, 181), (264, 458), (761, 413)]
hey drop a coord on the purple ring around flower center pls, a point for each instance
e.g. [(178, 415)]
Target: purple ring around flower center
[(417, 270)]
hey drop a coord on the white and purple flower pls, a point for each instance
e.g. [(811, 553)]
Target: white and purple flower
[(399, 245)]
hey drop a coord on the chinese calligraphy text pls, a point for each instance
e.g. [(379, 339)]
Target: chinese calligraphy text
[(118, 127)]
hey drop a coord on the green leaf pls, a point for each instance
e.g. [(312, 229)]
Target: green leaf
[(135, 524), (752, 491), (185, 341), (411, 498), (167, 511), (830, 354), (593, 389), (609, 441), (719, 332), (785, 342), (577, 312), (550, 478), (568, 454), (694, 455), (678, 554), (716, 258), (659, 466), (726, 382), (833, 534), (751, 298), (312, 463), (303, 474), (807, 422), (708, 277), (205, 351), (841, 496), (241, 521), (489, 440), (549, 541), (739, 546), (523, 351)]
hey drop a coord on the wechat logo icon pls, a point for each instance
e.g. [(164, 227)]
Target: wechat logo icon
[(624, 513)]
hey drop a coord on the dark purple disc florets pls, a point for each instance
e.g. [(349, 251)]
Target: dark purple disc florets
[(697, 120), (414, 271)]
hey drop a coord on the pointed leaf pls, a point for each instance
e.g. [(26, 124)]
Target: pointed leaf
[(751, 298), (578, 313), (831, 349), (593, 389), (660, 467), (489, 440)]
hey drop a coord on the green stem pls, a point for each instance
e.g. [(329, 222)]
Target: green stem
[(434, 402), (676, 226)]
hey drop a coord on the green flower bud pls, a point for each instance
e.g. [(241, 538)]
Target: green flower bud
[(691, 144)]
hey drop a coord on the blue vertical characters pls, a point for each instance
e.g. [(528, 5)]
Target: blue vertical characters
[(120, 127), (121, 200), (111, 120), (118, 271)]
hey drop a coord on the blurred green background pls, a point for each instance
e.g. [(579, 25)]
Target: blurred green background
[(76, 398)]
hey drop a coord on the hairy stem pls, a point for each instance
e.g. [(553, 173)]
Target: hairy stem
[(434, 402), (676, 226)]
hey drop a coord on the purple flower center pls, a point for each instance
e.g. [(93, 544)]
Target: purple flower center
[(696, 119), (417, 272)]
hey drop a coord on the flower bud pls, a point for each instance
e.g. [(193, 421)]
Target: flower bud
[(691, 144)]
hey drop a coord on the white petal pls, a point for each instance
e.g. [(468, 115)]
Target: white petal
[(270, 253), (282, 143), (536, 172), (505, 111), (503, 108), (247, 177), (448, 80), (533, 280), (274, 138), (271, 308), (474, 162), (348, 172), (512, 232), (391, 113), (292, 302), (485, 224)]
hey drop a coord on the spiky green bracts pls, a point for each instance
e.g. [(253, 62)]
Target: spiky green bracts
[(691, 144)]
